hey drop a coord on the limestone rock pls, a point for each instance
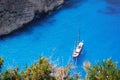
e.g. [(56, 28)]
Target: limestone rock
[(15, 13)]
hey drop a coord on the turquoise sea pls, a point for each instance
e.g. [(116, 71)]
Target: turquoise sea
[(98, 23)]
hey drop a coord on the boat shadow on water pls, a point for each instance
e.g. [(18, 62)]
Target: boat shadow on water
[(79, 60)]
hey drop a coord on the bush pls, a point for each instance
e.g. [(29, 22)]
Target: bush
[(107, 70), (41, 70), (1, 62)]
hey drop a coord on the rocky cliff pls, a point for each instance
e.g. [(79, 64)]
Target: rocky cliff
[(15, 13)]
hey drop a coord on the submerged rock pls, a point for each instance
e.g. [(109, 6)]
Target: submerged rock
[(15, 13)]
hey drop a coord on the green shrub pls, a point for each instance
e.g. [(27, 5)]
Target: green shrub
[(1, 62), (107, 70), (41, 70)]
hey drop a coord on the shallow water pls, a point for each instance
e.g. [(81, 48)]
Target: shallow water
[(96, 21)]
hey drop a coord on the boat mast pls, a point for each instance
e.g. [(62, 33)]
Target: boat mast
[(78, 36), (78, 40)]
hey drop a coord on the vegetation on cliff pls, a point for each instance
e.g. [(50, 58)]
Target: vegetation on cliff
[(40, 70), (1, 62), (107, 70), (44, 70)]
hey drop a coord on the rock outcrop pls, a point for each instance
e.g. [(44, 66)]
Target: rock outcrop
[(15, 13)]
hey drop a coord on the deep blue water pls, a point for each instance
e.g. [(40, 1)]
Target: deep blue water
[(98, 22)]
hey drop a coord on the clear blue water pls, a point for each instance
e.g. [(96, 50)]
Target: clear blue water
[(97, 21)]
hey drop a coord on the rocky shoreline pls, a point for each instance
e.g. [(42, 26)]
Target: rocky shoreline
[(15, 13)]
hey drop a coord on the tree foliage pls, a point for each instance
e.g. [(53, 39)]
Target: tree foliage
[(41, 70), (1, 62), (107, 70), (44, 70)]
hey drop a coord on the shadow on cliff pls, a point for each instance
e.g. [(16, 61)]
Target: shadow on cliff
[(40, 18), (27, 28)]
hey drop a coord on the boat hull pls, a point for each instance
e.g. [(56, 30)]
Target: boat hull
[(78, 50)]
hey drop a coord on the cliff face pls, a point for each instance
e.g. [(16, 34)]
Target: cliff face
[(15, 13)]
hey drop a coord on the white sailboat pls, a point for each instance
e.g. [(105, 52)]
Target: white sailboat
[(78, 49)]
